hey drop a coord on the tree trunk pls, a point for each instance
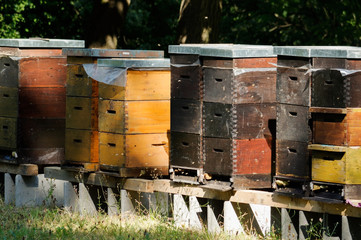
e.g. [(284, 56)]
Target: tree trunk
[(105, 28), (199, 21)]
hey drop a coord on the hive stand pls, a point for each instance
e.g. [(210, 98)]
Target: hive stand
[(197, 207)]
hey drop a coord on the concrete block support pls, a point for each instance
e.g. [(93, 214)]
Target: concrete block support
[(71, 199), (86, 204), (9, 188), (37, 190), (113, 203), (232, 224)]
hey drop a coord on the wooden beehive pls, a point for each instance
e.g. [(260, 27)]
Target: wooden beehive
[(82, 102), (337, 165), (235, 101), (33, 75), (339, 127), (134, 119), (313, 89)]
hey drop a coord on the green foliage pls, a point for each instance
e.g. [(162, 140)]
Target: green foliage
[(291, 22), (42, 223), (43, 18), (151, 24)]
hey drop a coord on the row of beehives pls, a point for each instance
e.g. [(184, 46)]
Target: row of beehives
[(228, 103), (257, 115)]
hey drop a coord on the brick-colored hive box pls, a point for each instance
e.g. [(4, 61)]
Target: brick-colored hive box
[(32, 110)]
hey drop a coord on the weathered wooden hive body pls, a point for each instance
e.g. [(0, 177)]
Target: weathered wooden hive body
[(232, 120), (319, 104), (32, 109)]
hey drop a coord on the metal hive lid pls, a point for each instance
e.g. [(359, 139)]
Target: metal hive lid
[(191, 48), (97, 52), (41, 43), (319, 51), (238, 51), (135, 63)]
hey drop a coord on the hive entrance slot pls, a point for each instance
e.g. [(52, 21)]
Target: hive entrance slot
[(112, 145), (6, 95), (217, 150), (328, 82), (77, 140), (293, 114), (79, 75), (78, 108), (219, 79), (111, 111), (292, 150), (293, 78), (7, 64), (185, 76)]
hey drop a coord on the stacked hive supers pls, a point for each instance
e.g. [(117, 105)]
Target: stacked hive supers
[(319, 110), (82, 134), (134, 118), (32, 106), (227, 129)]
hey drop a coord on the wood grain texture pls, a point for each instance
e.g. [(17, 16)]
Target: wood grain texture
[(82, 113), (8, 133), (79, 84), (240, 62), (187, 59), (218, 156), (293, 86), (111, 150), (186, 150), (9, 102), (134, 116), (338, 129), (41, 133), (337, 165), (42, 102), (328, 89), (329, 166), (292, 159), (293, 123), (147, 150), (186, 82), (81, 146), (40, 156), (42, 72), (23, 52), (140, 85), (253, 156), (9, 72), (186, 116), (21, 169), (322, 62)]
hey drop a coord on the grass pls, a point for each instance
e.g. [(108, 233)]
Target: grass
[(55, 223)]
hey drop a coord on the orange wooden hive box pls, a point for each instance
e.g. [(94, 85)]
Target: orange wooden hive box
[(134, 118), (82, 100)]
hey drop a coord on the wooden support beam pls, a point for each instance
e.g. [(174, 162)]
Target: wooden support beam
[(279, 201), (168, 186), (139, 185), (165, 185), (19, 169)]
